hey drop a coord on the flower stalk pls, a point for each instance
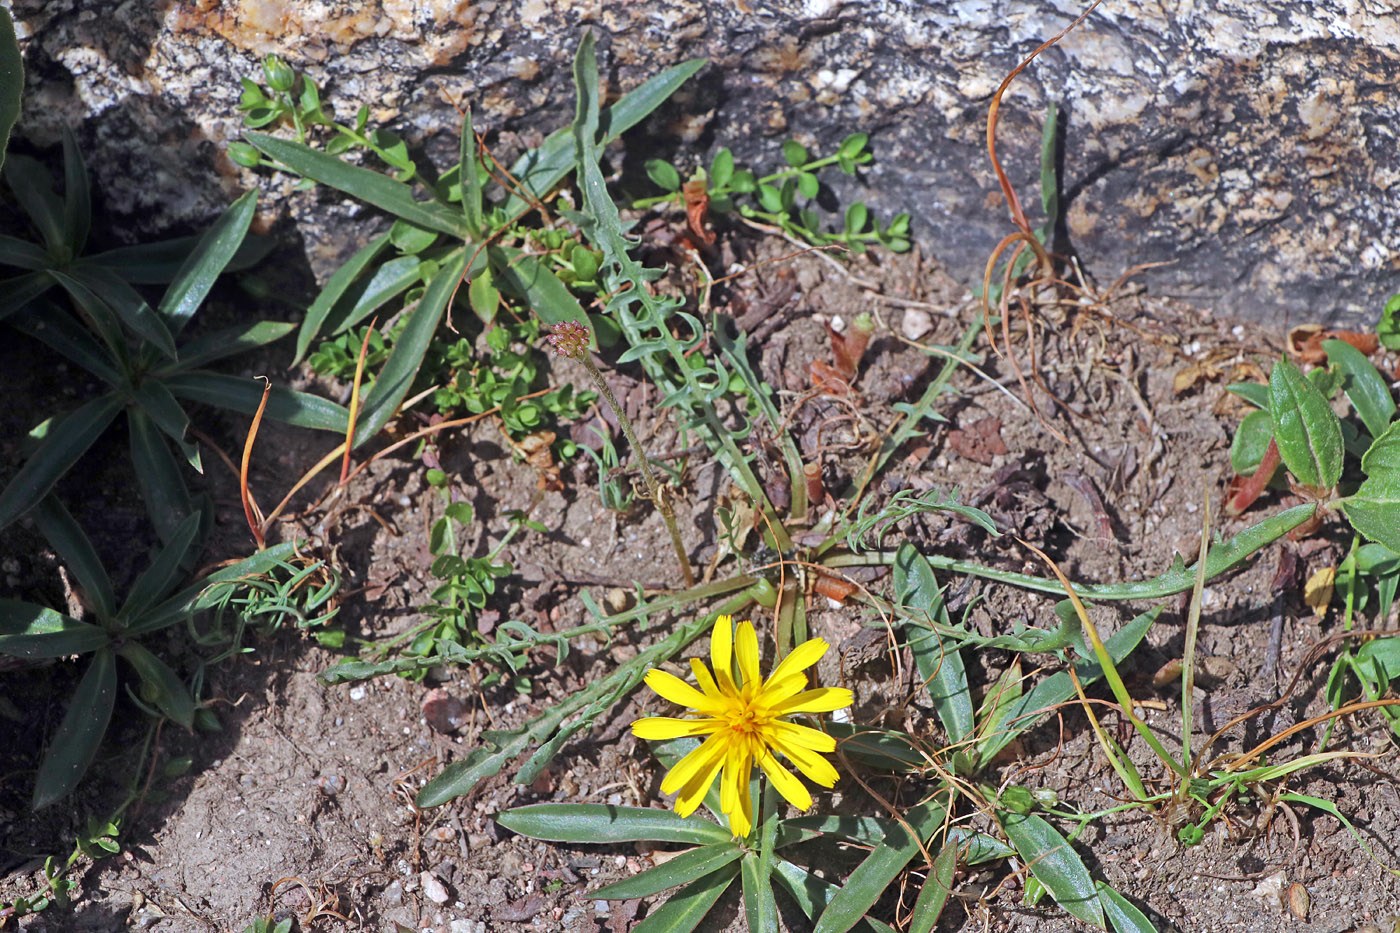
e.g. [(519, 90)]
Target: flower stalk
[(571, 339)]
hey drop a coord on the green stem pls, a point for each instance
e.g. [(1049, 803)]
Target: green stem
[(664, 505)]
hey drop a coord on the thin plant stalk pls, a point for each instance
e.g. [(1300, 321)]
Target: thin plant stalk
[(571, 339), (1193, 627)]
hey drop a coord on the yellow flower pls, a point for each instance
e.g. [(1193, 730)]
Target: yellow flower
[(745, 719)]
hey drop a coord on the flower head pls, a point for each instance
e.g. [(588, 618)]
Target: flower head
[(569, 338), (745, 720)]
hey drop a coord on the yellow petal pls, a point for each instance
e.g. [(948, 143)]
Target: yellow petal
[(678, 691), (699, 784), (822, 700), (703, 678), (793, 790), (736, 780), (799, 659), (728, 795), (776, 692), (691, 764), (659, 728), (811, 764), (746, 648), (782, 734), (722, 654)]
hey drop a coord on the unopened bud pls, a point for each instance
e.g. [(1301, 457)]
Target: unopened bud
[(570, 338)]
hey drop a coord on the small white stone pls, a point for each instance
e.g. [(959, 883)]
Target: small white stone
[(433, 888), (357, 692), (915, 323)]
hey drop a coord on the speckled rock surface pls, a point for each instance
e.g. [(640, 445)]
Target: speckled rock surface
[(1250, 143)]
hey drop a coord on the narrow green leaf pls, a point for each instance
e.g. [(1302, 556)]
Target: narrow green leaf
[(591, 822), (30, 631), (66, 442), (682, 869), (74, 744), (1306, 429), (205, 594), (1055, 864), (548, 297), (882, 866), (336, 287), (866, 830), (159, 262), (169, 692), (469, 180), (1374, 509), (98, 292), (22, 253), (760, 907), (157, 579), (157, 476), (1122, 913), (75, 549), (163, 409), (1368, 392), (216, 248), (17, 293), (541, 169), (11, 79), (77, 196), (934, 894), (243, 395), (1027, 711), (399, 371), (940, 667), (1254, 393), (683, 912), (33, 188), (55, 327), (371, 187), (227, 342)]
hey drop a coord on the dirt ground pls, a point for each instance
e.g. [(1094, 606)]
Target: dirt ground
[(301, 806)]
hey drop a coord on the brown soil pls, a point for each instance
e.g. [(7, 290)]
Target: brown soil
[(301, 806)]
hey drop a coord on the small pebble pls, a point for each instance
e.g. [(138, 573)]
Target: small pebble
[(357, 692), (433, 889), (915, 323)]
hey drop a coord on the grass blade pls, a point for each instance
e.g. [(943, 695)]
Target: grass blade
[(211, 256), (75, 743), (592, 822), (65, 442), (369, 186), (1055, 864)]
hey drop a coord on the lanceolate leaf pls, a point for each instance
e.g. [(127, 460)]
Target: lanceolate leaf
[(11, 79), (369, 186), (228, 342), (1368, 392), (171, 696), (18, 292), (541, 288), (940, 668), (67, 440), (1122, 913), (865, 885), (163, 409), (243, 395), (158, 476), (33, 187), (682, 869), (683, 912), (470, 182), (1055, 864), (75, 549), (937, 886), (30, 631), (158, 263), (399, 371), (157, 579), (74, 745), (336, 287), (590, 822), (46, 322), (1307, 431), (215, 250), (77, 198), (97, 291)]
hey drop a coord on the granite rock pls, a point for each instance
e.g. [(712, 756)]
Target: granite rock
[(1251, 144)]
